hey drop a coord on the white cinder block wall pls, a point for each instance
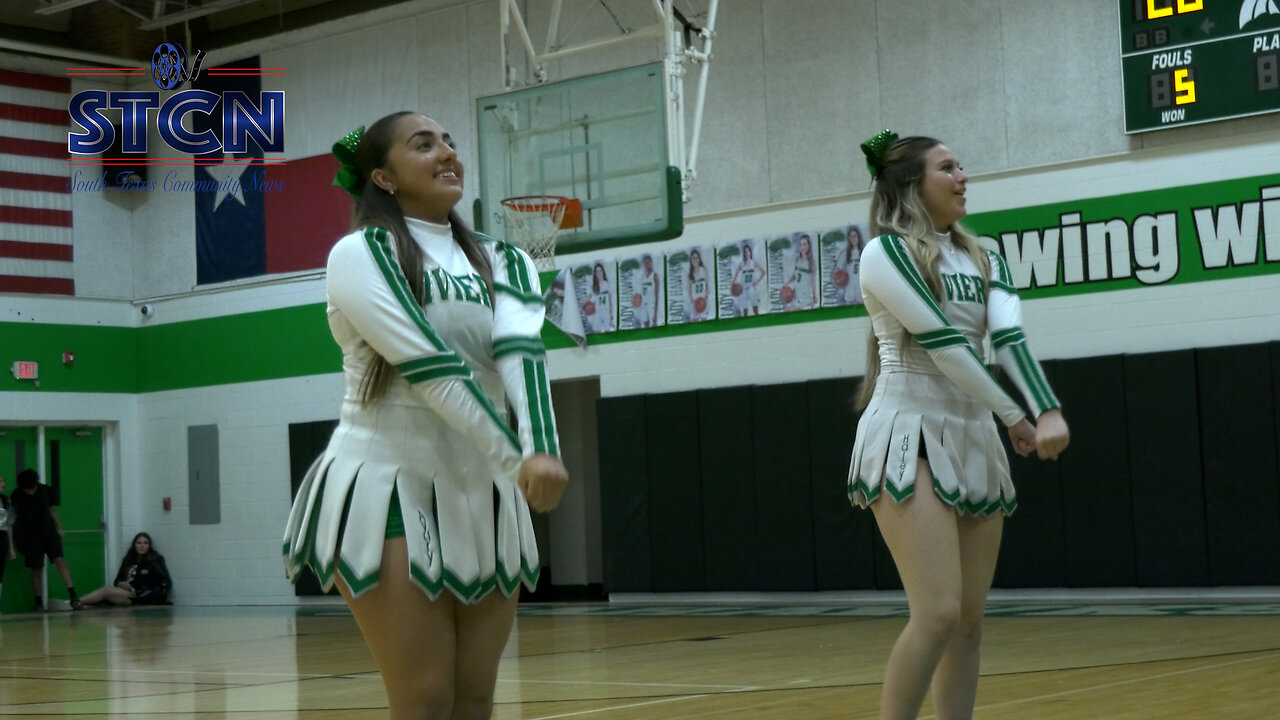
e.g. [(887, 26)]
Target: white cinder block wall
[(796, 85)]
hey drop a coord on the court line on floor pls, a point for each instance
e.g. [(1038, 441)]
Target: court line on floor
[(1118, 683), (689, 638), (611, 708), (141, 671), (732, 688)]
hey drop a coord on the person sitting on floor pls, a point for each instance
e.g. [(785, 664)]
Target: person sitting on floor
[(143, 578)]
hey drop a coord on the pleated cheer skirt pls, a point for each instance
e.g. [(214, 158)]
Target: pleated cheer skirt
[(467, 527), (960, 439)]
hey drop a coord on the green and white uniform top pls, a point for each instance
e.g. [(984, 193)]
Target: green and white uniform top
[(934, 397), (440, 439), (947, 336)]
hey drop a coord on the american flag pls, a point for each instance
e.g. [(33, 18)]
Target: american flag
[(35, 202)]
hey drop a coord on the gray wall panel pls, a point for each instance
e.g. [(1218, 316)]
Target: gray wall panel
[(941, 74), (822, 95)]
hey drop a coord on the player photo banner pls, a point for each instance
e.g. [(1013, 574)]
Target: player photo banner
[(841, 250), (560, 296), (596, 285), (691, 290), (641, 294), (793, 272), (742, 280)]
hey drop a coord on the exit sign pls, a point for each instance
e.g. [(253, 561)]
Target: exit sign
[(25, 370)]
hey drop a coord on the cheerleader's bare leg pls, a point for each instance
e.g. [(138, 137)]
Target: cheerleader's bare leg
[(922, 535), (412, 638), (482, 633), (955, 682)]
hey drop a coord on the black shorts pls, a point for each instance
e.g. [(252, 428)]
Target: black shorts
[(35, 549), (4, 552)]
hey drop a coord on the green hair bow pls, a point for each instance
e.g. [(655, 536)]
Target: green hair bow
[(348, 177), (875, 149)]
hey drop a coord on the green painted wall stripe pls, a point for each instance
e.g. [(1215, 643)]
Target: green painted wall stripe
[(106, 357), (267, 345), (295, 342)]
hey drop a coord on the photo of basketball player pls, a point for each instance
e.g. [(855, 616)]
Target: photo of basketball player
[(645, 286), (844, 277), (745, 283), (599, 310), (690, 285), (800, 292), (697, 289)]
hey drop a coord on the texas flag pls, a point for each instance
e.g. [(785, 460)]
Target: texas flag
[(254, 219)]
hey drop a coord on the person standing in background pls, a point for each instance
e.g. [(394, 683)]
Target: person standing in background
[(7, 550), (39, 534)]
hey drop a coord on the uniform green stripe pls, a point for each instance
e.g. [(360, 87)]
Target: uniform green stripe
[(517, 273), (489, 410), (1002, 270), (1008, 336), (937, 334), (377, 240), (944, 342), (522, 343), (544, 402), (909, 273), (974, 354), (1034, 379), (528, 347), (536, 430), (1004, 286), (448, 359), (525, 297), (419, 376)]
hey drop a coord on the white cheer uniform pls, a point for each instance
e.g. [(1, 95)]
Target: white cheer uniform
[(439, 439), (933, 387)]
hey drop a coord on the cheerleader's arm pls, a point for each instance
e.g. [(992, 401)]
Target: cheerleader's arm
[(889, 275), (367, 285), (1004, 319), (518, 315)]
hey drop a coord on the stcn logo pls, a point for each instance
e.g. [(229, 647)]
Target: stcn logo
[(242, 119), (169, 66)]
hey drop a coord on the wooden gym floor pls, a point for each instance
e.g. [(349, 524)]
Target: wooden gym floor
[(1047, 662)]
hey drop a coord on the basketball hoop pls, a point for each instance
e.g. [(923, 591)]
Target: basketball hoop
[(534, 221)]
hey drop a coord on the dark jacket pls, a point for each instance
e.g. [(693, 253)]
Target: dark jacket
[(149, 578)]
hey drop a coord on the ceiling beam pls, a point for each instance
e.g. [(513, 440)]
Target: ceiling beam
[(57, 7), (195, 12)]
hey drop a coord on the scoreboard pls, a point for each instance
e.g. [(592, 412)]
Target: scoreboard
[(1195, 61)]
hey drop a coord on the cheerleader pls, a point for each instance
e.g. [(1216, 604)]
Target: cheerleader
[(926, 438), (419, 507)]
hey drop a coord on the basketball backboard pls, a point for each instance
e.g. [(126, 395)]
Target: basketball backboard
[(599, 139)]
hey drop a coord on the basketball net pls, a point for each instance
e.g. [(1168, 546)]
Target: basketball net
[(533, 223)]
